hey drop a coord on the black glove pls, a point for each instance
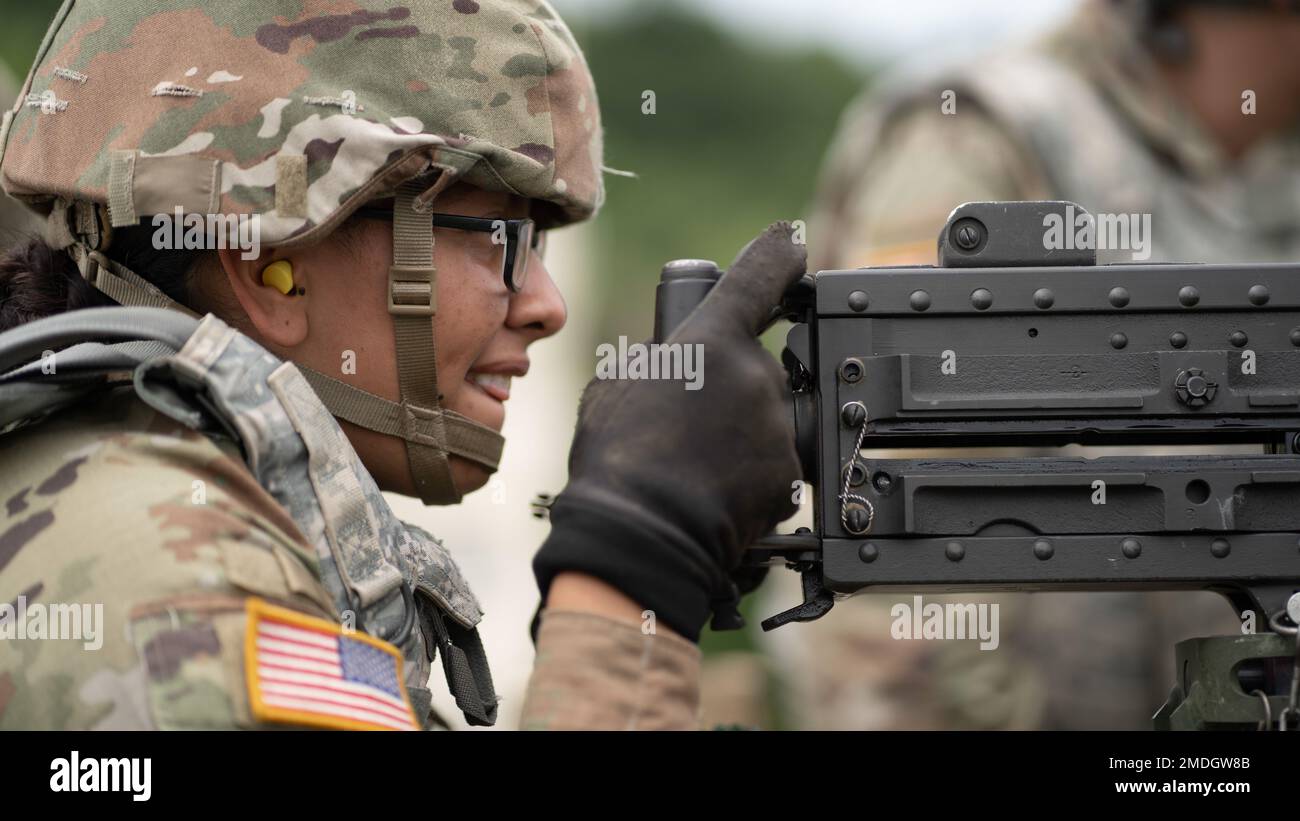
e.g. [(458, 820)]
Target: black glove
[(668, 486)]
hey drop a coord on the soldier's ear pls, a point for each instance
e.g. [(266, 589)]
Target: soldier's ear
[(272, 291)]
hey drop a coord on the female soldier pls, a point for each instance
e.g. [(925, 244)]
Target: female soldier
[(224, 538)]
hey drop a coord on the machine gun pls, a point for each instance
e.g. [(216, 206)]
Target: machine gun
[(1009, 343)]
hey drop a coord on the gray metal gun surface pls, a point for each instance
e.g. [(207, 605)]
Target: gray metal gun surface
[(1009, 343)]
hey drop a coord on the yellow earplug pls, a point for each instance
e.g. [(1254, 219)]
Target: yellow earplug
[(279, 275)]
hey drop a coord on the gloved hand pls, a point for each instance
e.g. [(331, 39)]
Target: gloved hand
[(668, 486)]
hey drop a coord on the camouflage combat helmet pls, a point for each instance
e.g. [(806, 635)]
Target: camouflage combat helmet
[(299, 112)]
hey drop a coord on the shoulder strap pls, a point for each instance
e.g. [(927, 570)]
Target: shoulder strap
[(20, 345), (40, 373)]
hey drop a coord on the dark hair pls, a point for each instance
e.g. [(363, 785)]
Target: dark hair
[(38, 281)]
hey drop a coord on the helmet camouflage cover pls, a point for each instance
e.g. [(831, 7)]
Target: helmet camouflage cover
[(297, 112)]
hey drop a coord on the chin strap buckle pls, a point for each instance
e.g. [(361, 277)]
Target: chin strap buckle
[(412, 291)]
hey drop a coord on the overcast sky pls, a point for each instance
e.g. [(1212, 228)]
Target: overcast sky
[(864, 31)]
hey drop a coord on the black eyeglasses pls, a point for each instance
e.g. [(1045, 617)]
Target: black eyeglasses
[(520, 238)]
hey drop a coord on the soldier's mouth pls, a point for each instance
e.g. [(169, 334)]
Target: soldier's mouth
[(495, 385)]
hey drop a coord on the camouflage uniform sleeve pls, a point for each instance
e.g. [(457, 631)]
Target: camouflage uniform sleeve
[(595, 673), (157, 538), (885, 206)]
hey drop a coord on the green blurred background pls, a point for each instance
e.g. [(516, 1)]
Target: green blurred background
[(735, 143)]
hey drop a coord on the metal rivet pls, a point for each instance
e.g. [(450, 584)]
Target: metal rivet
[(1119, 296), (1258, 295), (858, 301), (1118, 340), (1189, 296), (1043, 298), (882, 481), (1178, 339), (967, 237), (868, 552), (981, 298), (853, 414), (1220, 548), (920, 300), (954, 551), (1132, 548), (857, 518), (1295, 337), (857, 474), (1238, 339), (851, 370), (1043, 549)]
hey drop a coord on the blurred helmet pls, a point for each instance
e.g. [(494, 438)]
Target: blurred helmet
[(299, 112)]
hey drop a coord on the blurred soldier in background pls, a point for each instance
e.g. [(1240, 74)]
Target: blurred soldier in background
[(1185, 110)]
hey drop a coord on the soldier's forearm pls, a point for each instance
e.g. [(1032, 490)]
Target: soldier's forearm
[(580, 592), (597, 672)]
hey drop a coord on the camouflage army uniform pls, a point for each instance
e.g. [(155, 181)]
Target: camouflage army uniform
[(1079, 115), (276, 109), (103, 512)]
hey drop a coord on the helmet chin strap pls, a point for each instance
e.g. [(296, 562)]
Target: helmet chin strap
[(431, 433), (412, 302)]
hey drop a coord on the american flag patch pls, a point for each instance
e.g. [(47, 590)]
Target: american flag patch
[(306, 671)]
